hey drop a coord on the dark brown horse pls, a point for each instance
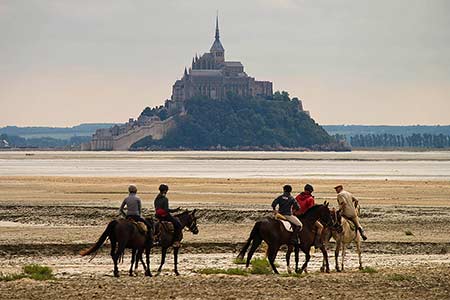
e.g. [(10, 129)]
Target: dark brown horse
[(186, 219), (125, 234), (275, 235)]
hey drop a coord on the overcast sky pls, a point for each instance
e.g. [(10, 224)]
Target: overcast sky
[(352, 62)]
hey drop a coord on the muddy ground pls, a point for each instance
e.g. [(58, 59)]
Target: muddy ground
[(48, 220)]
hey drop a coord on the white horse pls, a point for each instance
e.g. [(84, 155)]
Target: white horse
[(349, 234)]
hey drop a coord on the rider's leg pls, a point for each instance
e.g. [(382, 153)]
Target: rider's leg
[(297, 227), (318, 237), (355, 221), (177, 228)]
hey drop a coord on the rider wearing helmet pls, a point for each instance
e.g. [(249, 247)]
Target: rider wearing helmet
[(134, 208), (285, 204), (163, 211), (306, 200)]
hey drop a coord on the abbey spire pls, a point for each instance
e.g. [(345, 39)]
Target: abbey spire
[(217, 49)]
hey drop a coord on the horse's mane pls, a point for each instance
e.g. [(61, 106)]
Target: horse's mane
[(182, 213), (311, 210)]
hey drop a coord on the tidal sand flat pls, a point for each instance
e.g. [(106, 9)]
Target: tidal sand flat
[(48, 219)]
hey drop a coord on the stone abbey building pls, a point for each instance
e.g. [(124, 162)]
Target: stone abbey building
[(212, 76)]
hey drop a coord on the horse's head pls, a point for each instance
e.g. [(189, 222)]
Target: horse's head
[(325, 214), (191, 221), (336, 219)]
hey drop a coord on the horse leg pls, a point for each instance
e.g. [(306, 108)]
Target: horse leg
[(117, 256), (147, 258), (307, 258), (296, 253), (175, 260), (336, 255), (325, 259), (139, 259), (344, 246), (113, 256), (358, 249), (255, 244), (133, 258), (273, 250), (288, 258), (163, 259)]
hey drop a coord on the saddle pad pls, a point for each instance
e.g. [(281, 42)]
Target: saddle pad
[(142, 227), (287, 225), (167, 226)]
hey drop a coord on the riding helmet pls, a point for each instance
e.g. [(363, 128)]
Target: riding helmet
[(309, 188), (287, 188), (163, 188)]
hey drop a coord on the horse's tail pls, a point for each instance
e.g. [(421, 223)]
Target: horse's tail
[(101, 240), (253, 234)]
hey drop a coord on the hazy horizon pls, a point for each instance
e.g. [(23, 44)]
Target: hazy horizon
[(63, 63)]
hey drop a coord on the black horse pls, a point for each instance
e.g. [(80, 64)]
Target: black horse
[(275, 235), (166, 240), (125, 234)]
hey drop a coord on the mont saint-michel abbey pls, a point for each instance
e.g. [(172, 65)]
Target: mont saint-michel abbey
[(212, 76)]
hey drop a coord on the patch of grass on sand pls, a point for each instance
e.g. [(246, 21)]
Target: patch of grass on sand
[(33, 271), (260, 266), (11, 277), (38, 272), (400, 277), (239, 261), (369, 270), (231, 271), (408, 232)]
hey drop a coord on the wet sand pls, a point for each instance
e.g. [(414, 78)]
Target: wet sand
[(47, 220)]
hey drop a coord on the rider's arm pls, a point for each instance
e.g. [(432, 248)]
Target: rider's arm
[(341, 201), (275, 203), (121, 211), (295, 204), (139, 207)]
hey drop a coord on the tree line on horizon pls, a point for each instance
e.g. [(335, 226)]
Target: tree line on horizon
[(416, 140), (14, 141)]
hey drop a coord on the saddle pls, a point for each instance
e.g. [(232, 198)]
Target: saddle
[(287, 225), (141, 227)]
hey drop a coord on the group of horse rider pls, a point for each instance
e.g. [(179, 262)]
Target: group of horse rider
[(291, 209), (133, 206)]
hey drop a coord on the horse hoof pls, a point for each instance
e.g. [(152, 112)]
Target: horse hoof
[(328, 271), (148, 274), (322, 269), (361, 268), (116, 274), (176, 273)]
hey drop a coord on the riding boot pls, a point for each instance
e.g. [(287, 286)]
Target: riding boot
[(362, 233)]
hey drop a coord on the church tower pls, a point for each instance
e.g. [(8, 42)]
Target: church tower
[(217, 49)]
